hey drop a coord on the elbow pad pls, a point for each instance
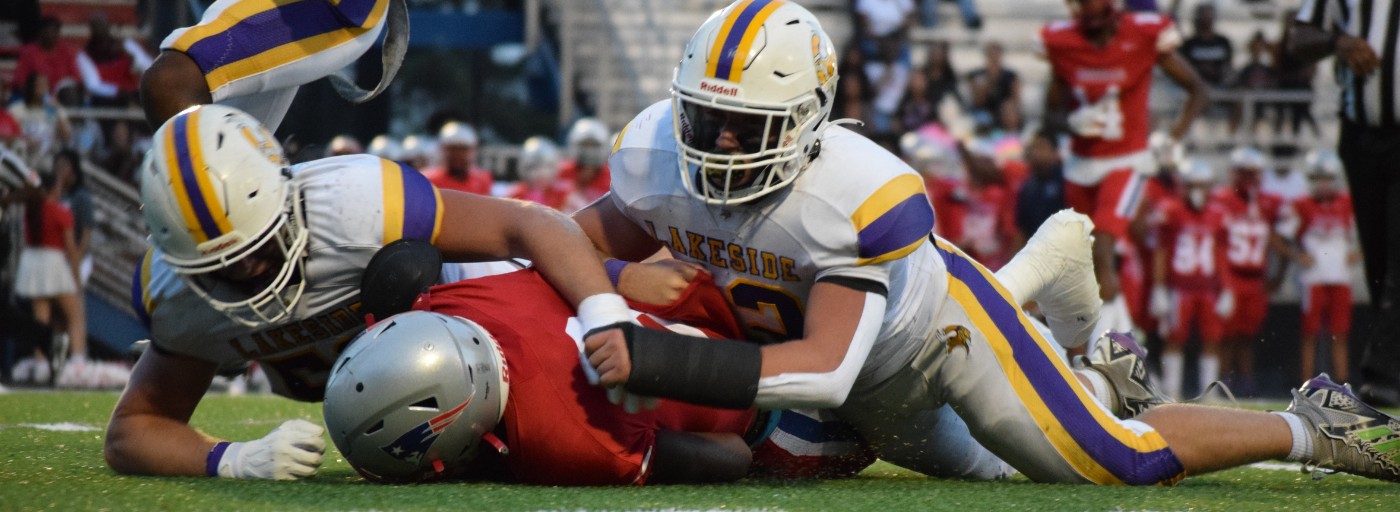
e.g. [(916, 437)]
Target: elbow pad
[(826, 390)]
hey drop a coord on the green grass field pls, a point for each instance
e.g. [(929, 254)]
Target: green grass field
[(63, 470)]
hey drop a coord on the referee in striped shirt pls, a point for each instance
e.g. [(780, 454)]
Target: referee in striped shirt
[(1363, 35)]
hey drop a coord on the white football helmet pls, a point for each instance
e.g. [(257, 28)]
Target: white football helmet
[(457, 134), (1195, 171), (412, 396), (759, 75), (216, 191), (1323, 163), (386, 147), (1246, 157), (539, 160), (588, 142)]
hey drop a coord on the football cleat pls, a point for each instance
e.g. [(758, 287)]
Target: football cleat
[(1348, 435), (1123, 363)]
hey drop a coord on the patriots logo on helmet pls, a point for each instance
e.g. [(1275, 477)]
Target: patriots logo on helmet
[(412, 445)]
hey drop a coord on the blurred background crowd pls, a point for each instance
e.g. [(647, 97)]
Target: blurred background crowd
[(523, 99)]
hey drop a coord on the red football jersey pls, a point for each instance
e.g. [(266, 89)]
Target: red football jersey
[(1122, 68), (1195, 241), (1248, 224), (1324, 230), (560, 430), (981, 221)]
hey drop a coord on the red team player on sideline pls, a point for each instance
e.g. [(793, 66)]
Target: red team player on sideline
[(1190, 242), (555, 428), (1250, 215), (1101, 62), (1322, 225)]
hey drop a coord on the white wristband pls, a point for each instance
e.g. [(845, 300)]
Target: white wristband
[(602, 310)]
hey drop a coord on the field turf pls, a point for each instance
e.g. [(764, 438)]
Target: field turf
[(63, 470)]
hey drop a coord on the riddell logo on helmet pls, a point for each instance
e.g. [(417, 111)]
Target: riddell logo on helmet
[(220, 246), (719, 89)]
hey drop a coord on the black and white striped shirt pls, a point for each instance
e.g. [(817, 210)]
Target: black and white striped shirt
[(1372, 100)]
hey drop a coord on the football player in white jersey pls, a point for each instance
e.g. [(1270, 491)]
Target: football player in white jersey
[(256, 260), (254, 54), (821, 241)]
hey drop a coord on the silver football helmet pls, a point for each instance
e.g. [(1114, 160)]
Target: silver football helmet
[(589, 142), (413, 395)]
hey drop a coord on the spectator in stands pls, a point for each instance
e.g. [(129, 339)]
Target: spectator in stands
[(852, 89), (916, 110), (587, 167), (539, 175), (42, 120), (458, 171), (884, 27), (1043, 193), (1208, 52), (78, 199), (48, 277), (120, 157), (1258, 74), (1294, 74), (1322, 226), (928, 10), (996, 91), (48, 56), (941, 80), (111, 67)]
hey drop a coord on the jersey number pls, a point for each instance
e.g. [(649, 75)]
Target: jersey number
[(779, 311), (1247, 243), (1194, 254), (304, 373), (1107, 109)]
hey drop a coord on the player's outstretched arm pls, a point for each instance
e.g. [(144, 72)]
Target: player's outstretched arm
[(698, 458), (150, 433), (173, 83), (1197, 92)]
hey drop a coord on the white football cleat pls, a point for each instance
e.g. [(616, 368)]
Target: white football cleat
[(1056, 270)]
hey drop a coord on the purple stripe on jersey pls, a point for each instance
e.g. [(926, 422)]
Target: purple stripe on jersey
[(1125, 462), (267, 30), (357, 11), (419, 205), (736, 35), (906, 223)]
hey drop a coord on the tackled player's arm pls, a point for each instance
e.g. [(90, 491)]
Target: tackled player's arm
[(150, 433), (615, 235), (817, 371), (1197, 92), (173, 83)]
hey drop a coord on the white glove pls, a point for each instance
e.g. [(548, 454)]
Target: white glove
[(291, 451), (1161, 304), (1225, 305)]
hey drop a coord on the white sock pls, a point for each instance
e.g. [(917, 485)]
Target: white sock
[(77, 358), (1171, 373), (1099, 385), (1302, 449), (1210, 370)]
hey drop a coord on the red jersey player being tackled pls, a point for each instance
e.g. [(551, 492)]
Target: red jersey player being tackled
[(1101, 62), (515, 344), (1190, 242)]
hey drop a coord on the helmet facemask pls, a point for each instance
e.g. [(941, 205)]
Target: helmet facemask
[(287, 237), (763, 153)]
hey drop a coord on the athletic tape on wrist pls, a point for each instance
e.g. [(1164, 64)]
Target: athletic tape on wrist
[(614, 268), (1302, 449), (603, 309), (211, 461)]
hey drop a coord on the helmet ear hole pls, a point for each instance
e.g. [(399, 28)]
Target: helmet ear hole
[(426, 404), (377, 426)]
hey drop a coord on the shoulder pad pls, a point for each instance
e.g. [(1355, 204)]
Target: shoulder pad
[(651, 129)]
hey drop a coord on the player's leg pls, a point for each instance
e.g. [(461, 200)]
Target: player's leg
[(935, 442), (1313, 305), (1178, 332), (1022, 403), (1339, 324), (1211, 331)]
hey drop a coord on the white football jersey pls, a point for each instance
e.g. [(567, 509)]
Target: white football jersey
[(353, 205), (857, 211), (255, 53)]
